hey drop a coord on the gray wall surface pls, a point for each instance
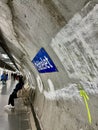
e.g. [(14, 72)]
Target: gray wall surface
[(67, 29)]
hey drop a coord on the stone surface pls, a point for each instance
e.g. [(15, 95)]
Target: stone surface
[(67, 29)]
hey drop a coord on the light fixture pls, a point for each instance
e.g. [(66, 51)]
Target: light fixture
[(5, 56)]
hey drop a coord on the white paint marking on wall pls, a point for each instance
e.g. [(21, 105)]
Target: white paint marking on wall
[(69, 92), (40, 84), (51, 86)]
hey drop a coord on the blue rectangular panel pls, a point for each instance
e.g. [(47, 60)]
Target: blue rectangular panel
[(43, 62)]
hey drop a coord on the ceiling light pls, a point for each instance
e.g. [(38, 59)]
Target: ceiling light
[(5, 56)]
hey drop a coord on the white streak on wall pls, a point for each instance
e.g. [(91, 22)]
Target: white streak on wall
[(40, 84), (51, 86), (72, 92), (69, 92)]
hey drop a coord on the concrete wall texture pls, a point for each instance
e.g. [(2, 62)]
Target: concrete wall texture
[(67, 29)]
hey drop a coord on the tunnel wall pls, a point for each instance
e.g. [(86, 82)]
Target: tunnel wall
[(76, 46), (31, 24)]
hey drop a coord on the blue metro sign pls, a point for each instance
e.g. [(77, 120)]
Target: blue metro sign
[(43, 62)]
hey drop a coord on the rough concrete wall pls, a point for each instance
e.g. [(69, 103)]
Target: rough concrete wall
[(76, 46), (76, 51), (29, 25), (69, 7), (33, 25), (16, 49)]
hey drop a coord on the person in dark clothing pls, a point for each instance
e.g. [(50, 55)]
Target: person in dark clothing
[(13, 95)]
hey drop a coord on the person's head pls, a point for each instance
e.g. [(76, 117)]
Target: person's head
[(21, 79)]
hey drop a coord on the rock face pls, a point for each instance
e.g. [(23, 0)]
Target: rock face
[(67, 30)]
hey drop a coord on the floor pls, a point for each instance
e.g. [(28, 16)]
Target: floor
[(14, 120)]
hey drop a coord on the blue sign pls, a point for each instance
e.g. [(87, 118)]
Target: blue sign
[(43, 62)]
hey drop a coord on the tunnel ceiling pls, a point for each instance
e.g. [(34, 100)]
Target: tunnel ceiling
[(29, 25), (8, 54), (5, 61), (5, 56)]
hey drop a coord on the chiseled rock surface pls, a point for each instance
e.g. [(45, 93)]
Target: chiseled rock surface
[(69, 35)]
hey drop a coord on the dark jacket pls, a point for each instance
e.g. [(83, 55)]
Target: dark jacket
[(18, 87)]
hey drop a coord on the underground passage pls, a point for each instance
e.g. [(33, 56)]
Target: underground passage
[(52, 45)]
